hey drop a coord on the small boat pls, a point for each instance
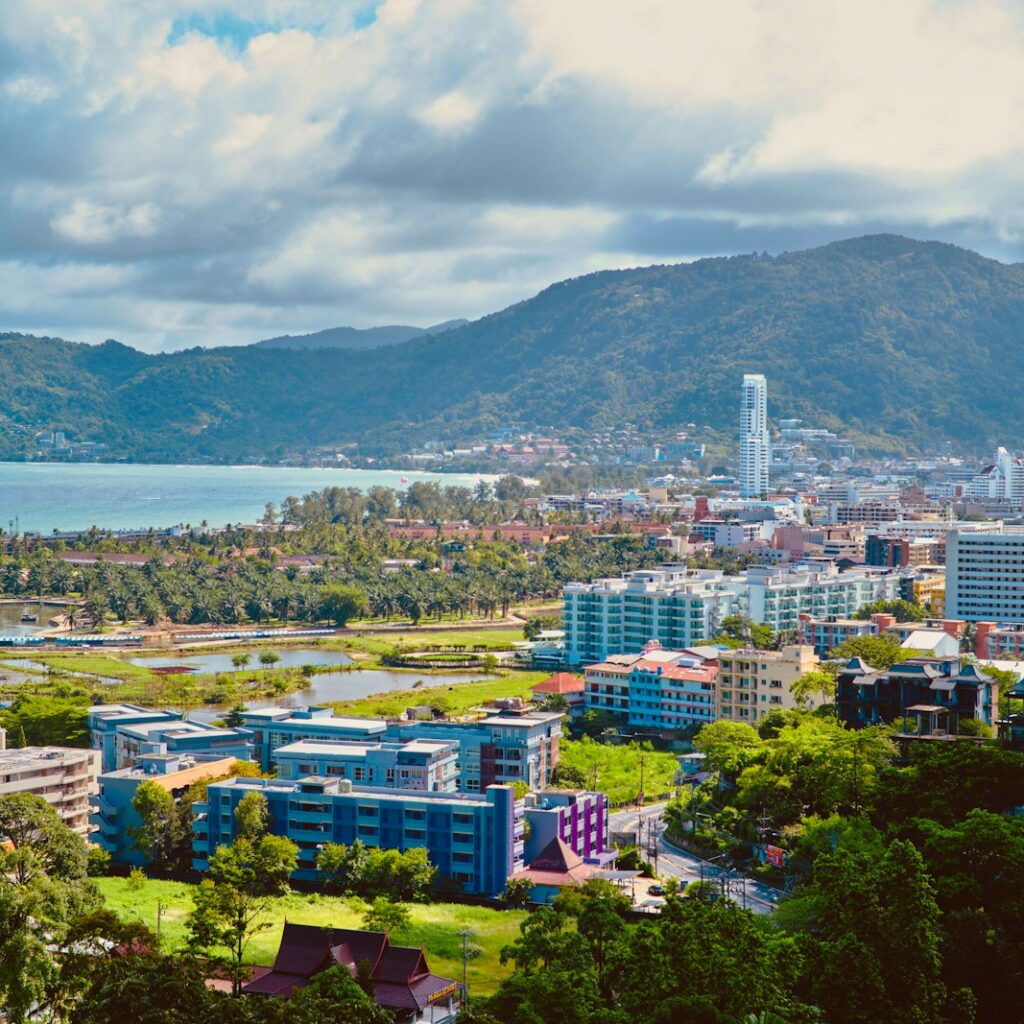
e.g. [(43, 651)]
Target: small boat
[(29, 618)]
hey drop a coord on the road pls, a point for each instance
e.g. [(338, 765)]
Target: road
[(675, 863)]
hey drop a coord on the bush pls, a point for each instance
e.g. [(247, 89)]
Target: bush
[(98, 862)]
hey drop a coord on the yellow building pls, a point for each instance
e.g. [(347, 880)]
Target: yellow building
[(752, 683), (930, 592)]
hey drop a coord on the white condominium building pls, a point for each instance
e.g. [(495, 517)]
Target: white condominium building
[(1002, 479), (985, 576), (65, 777), (755, 446), (680, 607)]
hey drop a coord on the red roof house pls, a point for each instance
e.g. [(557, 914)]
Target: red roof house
[(402, 981), (556, 867)]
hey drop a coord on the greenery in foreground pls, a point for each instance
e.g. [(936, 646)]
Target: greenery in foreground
[(435, 926)]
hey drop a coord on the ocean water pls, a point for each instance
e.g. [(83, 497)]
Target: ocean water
[(45, 496)]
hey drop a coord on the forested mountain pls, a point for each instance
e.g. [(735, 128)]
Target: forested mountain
[(354, 337), (899, 342)]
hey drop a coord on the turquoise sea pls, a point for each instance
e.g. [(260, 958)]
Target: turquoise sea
[(45, 496)]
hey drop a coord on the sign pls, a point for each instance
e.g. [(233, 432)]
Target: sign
[(775, 856)]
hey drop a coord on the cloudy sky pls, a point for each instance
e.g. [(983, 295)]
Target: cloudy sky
[(178, 173)]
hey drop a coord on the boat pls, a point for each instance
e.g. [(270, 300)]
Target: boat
[(27, 617)]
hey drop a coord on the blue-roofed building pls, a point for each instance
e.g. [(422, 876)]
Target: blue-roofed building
[(272, 728), (104, 720), (430, 765), (197, 739), (476, 839)]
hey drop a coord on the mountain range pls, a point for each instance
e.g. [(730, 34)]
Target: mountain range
[(900, 343), (355, 337)]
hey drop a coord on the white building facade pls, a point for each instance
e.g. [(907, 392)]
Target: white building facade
[(985, 576), (755, 445), (680, 607)]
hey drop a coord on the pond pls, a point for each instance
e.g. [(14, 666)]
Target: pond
[(288, 657), (337, 686), (11, 613)]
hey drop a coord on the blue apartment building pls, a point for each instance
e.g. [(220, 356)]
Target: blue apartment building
[(113, 815), (505, 748), (428, 765), (124, 732), (272, 728), (477, 839), (104, 720)]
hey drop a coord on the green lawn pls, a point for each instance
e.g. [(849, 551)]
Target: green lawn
[(456, 699), (417, 639), (617, 768), (106, 665), (434, 926)]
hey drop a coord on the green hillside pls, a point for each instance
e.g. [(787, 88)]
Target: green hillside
[(903, 343)]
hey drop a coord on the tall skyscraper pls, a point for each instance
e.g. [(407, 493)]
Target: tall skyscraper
[(755, 446)]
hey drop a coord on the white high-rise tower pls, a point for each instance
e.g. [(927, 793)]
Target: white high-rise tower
[(755, 446)]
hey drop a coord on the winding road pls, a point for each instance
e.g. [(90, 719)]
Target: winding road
[(687, 867)]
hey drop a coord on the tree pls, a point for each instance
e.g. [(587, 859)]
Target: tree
[(240, 660), (231, 905), (729, 746), (153, 837), (340, 602), (816, 683), (518, 892), (268, 658), (901, 610), (43, 888), (878, 651), (252, 817), (385, 916)]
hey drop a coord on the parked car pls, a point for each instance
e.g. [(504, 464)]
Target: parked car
[(656, 890)]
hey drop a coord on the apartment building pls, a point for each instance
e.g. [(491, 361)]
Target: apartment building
[(113, 813), (658, 690), (476, 839), (753, 683), (505, 748), (681, 607), (104, 721), (426, 765), (985, 576), (65, 777), (272, 728), (195, 739)]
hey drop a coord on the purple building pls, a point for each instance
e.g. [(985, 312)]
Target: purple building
[(577, 817)]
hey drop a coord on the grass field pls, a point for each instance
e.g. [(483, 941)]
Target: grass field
[(104, 665), (417, 639), (434, 926), (616, 769), (456, 699)]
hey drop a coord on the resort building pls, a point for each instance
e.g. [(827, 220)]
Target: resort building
[(505, 748), (577, 817), (104, 720), (272, 728), (683, 607), (933, 694), (179, 738), (65, 777), (755, 444), (476, 839)]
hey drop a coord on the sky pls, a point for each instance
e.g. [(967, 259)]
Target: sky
[(178, 173)]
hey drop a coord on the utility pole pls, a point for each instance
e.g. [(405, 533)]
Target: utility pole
[(465, 933), (640, 795)]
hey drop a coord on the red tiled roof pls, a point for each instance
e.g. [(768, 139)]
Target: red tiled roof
[(557, 865), (560, 682)]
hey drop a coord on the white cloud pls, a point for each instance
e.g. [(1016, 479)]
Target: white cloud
[(295, 172)]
